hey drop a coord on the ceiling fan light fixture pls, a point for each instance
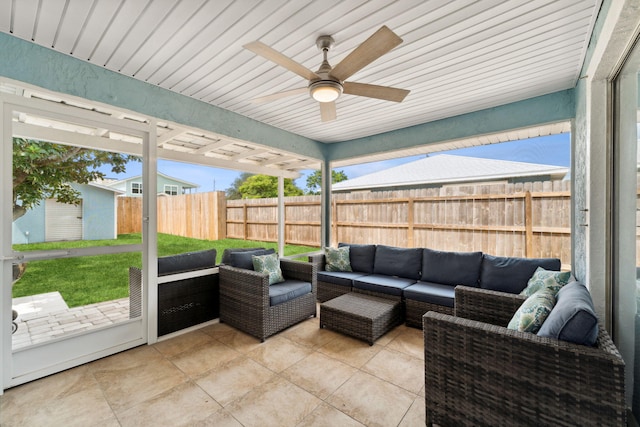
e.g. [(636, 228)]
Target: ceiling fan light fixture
[(325, 90)]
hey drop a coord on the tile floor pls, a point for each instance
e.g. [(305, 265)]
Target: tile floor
[(304, 376)]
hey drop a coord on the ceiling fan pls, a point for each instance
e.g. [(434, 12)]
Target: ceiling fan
[(328, 83)]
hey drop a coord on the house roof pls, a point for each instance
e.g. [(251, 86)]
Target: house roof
[(184, 183), (446, 168)]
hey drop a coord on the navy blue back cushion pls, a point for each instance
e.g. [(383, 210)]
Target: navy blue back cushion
[(401, 262), (243, 259), (511, 274), (188, 261), (361, 257), (451, 268)]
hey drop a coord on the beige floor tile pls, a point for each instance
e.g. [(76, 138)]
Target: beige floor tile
[(372, 401), (44, 391), (182, 343), (239, 341), (220, 418), (277, 403), (278, 353), (69, 409), (319, 374), (234, 379), (326, 415), (390, 336), (409, 341), (197, 362), (127, 385), (398, 368), (308, 334), (183, 405), (135, 357), (416, 414), (350, 350)]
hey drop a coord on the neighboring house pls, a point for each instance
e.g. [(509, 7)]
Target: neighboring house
[(443, 169), (166, 185), (94, 218)]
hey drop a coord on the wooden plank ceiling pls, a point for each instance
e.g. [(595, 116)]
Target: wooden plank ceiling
[(457, 56)]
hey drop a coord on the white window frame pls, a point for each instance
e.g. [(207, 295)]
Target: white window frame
[(169, 189), (136, 188)]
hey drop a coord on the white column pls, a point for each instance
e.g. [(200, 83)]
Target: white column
[(281, 217)]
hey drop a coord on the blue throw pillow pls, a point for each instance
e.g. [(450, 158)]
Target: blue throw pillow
[(573, 318)]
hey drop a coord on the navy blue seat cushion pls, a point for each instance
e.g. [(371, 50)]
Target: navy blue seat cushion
[(433, 293), (344, 278), (401, 262), (573, 318), (511, 274), (287, 290), (187, 261), (384, 284), (451, 268), (361, 257), (243, 259)]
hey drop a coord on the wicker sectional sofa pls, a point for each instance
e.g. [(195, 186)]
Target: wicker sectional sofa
[(424, 279)]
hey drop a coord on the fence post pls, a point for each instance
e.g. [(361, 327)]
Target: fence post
[(221, 202), (528, 224), (245, 231), (410, 221)]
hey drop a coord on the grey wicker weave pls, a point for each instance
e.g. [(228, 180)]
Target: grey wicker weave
[(244, 299), (414, 310), (479, 373), (326, 290), (362, 316)]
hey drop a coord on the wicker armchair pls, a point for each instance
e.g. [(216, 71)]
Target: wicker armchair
[(245, 303), (478, 372)]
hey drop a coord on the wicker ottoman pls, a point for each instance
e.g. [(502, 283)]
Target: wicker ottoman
[(361, 316)]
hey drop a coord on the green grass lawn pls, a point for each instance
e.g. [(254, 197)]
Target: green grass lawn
[(91, 279)]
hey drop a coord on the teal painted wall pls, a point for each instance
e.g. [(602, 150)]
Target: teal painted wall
[(32, 223), (30, 63), (550, 108), (98, 213)]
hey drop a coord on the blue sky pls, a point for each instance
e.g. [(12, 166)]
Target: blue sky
[(549, 150)]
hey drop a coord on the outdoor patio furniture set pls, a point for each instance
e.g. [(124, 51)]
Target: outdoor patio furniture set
[(477, 370), (423, 279)]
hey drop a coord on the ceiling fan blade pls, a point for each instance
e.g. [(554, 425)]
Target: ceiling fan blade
[(374, 91), (279, 95), (327, 111), (273, 55), (380, 42)]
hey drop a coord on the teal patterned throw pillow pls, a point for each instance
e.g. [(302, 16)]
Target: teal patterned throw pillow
[(337, 259), (546, 279), (269, 264), (534, 311)]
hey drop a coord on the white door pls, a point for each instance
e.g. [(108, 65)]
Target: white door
[(75, 261), (63, 221)]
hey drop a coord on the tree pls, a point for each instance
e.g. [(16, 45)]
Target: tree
[(262, 186), (314, 181), (233, 192), (44, 170)]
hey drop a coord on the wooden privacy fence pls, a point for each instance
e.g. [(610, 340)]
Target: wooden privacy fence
[(199, 215), (523, 219)]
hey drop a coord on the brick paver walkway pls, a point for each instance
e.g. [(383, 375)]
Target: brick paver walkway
[(44, 317)]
